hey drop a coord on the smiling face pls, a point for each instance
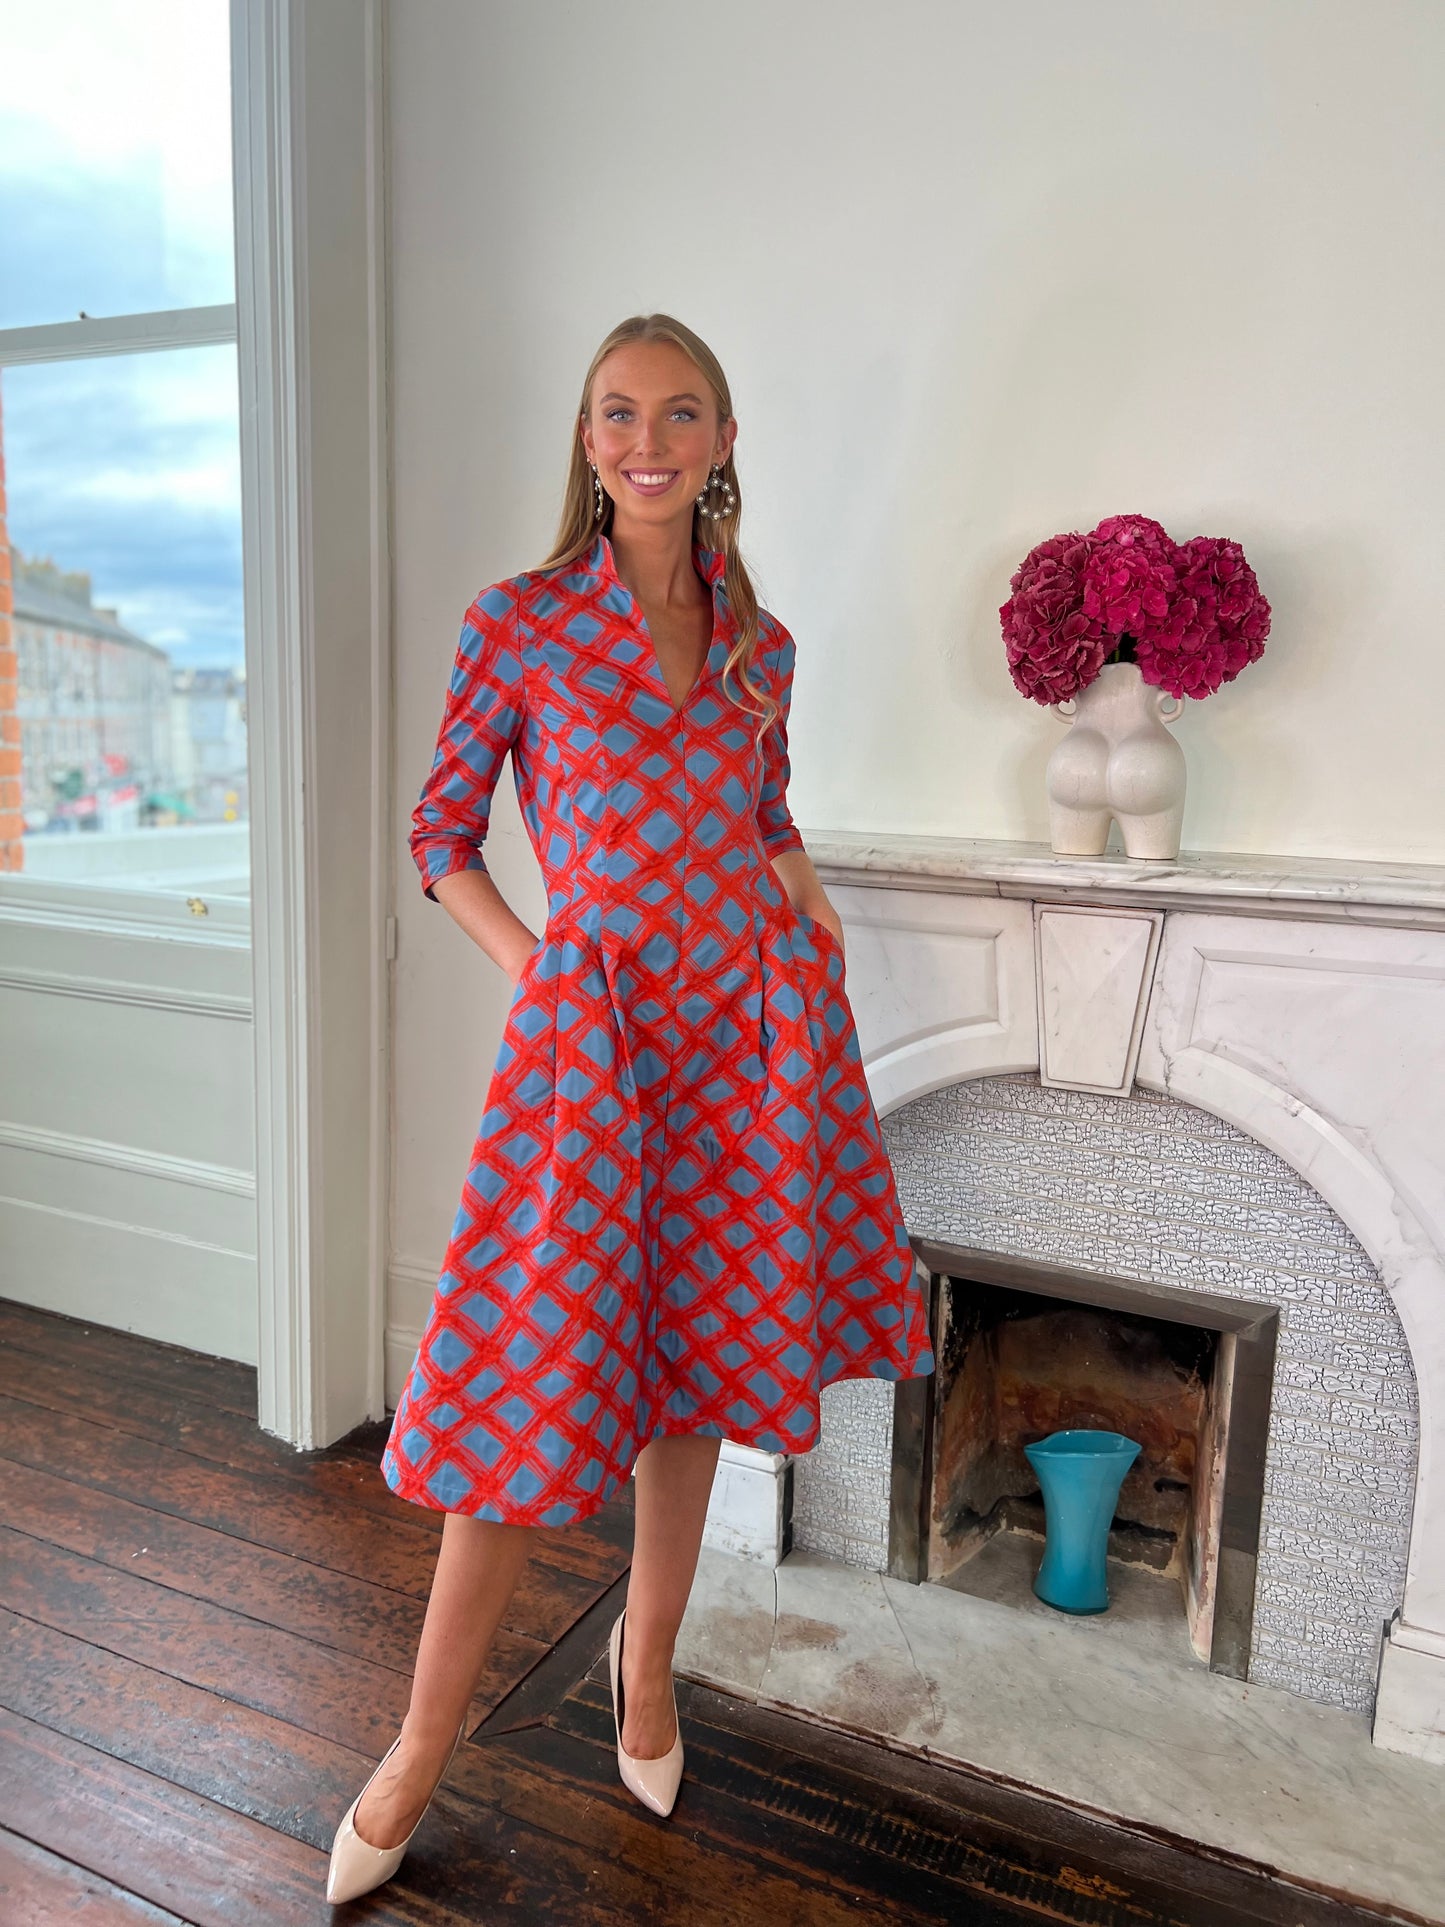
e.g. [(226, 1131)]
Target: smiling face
[(653, 433)]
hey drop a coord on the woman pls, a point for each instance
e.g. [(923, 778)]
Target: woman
[(679, 1221)]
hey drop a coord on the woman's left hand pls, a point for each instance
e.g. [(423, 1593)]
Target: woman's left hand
[(798, 877), (826, 914)]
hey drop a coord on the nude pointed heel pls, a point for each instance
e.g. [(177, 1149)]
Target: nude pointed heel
[(655, 1782), (356, 1866)]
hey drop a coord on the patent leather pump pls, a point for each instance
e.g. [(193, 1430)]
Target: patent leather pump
[(356, 1866), (655, 1782)]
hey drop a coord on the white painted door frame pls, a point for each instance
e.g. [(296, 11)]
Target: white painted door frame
[(308, 96)]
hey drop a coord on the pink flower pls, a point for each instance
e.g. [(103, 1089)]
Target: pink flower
[(1216, 624), (1131, 574), (1191, 615), (1054, 647), (1135, 531)]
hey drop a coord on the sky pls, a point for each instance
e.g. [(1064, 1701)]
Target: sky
[(115, 198)]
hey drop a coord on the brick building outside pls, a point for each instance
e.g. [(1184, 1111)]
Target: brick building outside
[(99, 731), (93, 702)]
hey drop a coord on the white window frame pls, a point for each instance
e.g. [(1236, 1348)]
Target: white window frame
[(320, 1251)]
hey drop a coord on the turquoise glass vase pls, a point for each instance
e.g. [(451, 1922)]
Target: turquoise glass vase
[(1080, 1473)]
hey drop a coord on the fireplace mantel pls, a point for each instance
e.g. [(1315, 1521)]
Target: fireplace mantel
[(1412, 895), (1300, 1000)]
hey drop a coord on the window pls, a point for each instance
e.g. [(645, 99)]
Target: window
[(122, 668)]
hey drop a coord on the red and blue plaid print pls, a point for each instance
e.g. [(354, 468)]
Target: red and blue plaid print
[(679, 1215)]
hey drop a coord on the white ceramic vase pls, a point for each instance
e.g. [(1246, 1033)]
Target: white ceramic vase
[(1118, 760)]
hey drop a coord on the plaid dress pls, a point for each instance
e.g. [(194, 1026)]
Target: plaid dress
[(679, 1215)]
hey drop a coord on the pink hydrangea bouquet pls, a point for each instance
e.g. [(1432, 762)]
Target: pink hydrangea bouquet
[(1190, 614)]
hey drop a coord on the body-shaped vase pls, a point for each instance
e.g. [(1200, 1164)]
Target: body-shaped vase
[(1117, 761)]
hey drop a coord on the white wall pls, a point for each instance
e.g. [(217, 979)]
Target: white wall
[(978, 273)]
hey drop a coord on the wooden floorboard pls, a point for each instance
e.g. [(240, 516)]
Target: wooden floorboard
[(130, 1359), (321, 1616), (42, 1890), (207, 1641)]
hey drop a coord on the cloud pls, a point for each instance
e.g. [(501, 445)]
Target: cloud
[(128, 466), (115, 159), (115, 198)]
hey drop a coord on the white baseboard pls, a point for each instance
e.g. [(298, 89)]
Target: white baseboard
[(749, 1511), (1410, 1698)]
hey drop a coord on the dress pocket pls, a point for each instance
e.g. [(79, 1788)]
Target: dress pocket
[(821, 936), (528, 967), (526, 1013)]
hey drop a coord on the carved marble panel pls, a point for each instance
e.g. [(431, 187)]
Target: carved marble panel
[(1094, 967)]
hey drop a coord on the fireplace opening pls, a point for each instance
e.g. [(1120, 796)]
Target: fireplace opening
[(1016, 1366), (1023, 1350)]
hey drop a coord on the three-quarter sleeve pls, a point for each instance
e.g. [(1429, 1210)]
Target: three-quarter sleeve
[(482, 720), (775, 823)]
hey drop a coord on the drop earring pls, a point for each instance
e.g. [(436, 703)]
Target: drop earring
[(600, 495), (730, 501)]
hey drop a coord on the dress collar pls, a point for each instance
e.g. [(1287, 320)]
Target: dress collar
[(711, 564)]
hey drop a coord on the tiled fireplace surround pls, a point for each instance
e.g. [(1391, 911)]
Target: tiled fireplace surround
[(1220, 1080)]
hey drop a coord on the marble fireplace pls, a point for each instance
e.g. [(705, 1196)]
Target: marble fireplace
[(1170, 1144)]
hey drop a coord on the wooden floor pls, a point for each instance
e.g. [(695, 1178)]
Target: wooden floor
[(206, 1644)]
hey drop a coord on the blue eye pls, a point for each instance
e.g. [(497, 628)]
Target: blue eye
[(610, 414)]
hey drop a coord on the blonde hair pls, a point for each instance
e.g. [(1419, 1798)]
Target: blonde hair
[(578, 526)]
